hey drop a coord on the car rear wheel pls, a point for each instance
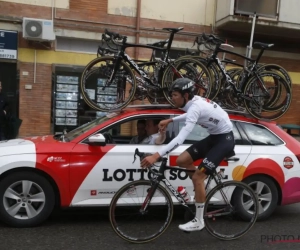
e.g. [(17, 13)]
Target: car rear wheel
[(27, 199), (267, 196)]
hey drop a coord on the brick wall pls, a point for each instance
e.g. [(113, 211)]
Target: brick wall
[(35, 104)]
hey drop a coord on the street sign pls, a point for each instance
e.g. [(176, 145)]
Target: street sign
[(8, 44)]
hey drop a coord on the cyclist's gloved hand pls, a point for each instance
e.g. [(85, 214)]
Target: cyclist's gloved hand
[(148, 161)]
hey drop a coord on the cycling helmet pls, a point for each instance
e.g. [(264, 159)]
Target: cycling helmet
[(183, 85)]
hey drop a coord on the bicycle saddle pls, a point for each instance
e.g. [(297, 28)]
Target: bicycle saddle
[(264, 45), (159, 44), (173, 30)]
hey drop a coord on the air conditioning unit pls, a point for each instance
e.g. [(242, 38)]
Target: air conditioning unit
[(38, 29)]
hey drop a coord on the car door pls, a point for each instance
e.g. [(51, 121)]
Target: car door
[(230, 168), (102, 170)]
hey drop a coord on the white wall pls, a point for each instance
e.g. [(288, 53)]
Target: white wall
[(224, 8), (122, 7), (64, 4), (199, 12), (289, 11)]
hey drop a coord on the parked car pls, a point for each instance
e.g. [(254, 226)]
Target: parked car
[(79, 169)]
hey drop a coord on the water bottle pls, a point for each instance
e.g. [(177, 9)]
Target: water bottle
[(185, 195)]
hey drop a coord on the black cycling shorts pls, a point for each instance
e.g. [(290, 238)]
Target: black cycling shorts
[(212, 149)]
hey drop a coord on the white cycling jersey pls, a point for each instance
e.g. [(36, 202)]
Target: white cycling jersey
[(200, 111)]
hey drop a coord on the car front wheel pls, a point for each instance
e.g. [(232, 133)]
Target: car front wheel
[(26, 199)]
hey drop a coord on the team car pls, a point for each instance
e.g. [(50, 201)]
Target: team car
[(86, 166)]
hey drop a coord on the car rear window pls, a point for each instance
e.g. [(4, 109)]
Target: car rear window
[(199, 133), (260, 135)]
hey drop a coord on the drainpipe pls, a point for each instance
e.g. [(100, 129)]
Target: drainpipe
[(138, 19)]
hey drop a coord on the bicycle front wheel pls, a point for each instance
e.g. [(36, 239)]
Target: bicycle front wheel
[(102, 95), (230, 211), (140, 212)]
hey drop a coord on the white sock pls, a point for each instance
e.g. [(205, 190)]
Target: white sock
[(199, 211)]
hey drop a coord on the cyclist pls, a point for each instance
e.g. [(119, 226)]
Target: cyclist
[(212, 149)]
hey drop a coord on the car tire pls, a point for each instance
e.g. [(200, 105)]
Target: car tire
[(27, 199), (267, 195)]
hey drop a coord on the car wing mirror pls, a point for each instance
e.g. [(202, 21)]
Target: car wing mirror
[(97, 140)]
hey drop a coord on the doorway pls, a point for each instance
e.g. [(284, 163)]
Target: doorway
[(10, 86)]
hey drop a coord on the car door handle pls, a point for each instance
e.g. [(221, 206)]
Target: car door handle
[(232, 159)]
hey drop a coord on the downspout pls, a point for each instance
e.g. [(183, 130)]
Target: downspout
[(137, 34), (52, 9)]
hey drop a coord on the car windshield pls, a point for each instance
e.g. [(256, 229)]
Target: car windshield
[(84, 128)]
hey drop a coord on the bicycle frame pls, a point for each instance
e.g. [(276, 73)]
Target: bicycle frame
[(228, 78), (123, 56), (160, 177)]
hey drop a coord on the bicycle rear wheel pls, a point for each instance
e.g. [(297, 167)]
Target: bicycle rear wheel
[(189, 68), (271, 104), (230, 211), (139, 212), (98, 93)]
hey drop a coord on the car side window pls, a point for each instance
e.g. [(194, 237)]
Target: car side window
[(122, 132), (199, 133), (260, 135), (237, 136)]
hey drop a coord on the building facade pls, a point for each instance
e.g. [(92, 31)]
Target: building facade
[(32, 78)]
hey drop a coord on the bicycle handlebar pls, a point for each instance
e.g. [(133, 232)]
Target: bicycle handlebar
[(213, 39), (142, 156), (115, 36)]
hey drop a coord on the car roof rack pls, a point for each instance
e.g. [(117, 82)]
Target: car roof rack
[(238, 112), (152, 106), (244, 113)]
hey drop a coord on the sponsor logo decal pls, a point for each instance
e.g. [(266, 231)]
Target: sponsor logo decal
[(131, 191), (138, 174), (93, 192), (172, 148), (288, 162), (190, 84), (56, 159), (209, 164), (228, 137)]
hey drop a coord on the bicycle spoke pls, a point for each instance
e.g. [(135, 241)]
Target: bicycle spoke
[(230, 210), (135, 223), (105, 88)]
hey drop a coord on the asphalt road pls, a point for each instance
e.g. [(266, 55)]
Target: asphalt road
[(89, 229)]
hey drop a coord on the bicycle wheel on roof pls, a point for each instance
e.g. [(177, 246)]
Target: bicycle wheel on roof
[(189, 68), (102, 95), (267, 95)]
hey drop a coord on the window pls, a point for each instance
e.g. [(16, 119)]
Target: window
[(200, 133), (260, 135), (197, 134), (123, 131), (77, 45)]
